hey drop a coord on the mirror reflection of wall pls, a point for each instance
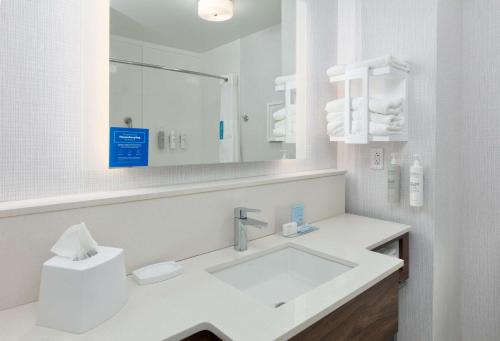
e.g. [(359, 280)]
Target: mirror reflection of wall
[(208, 91)]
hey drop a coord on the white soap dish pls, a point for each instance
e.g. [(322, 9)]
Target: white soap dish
[(157, 273)]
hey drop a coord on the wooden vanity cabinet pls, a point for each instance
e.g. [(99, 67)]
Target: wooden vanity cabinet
[(371, 316)]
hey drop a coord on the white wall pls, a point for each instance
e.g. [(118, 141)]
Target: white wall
[(260, 66), (126, 84), (407, 29), (41, 103), (481, 164), (288, 37), (449, 181)]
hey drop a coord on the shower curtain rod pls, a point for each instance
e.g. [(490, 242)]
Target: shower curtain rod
[(159, 67)]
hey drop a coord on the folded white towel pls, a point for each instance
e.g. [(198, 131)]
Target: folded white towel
[(379, 129), (381, 62), (379, 118), (279, 124), (335, 129), (336, 70), (335, 116), (380, 105), (334, 125), (279, 132), (283, 79), (340, 69), (387, 119), (339, 132), (279, 115), (337, 105)]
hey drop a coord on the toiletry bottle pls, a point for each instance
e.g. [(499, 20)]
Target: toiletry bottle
[(394, 181), (173, 139), (416, 183)]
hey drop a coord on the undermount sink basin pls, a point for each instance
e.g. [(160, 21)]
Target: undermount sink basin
[(280, 275)]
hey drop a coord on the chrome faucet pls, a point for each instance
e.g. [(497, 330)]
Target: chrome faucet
[(241, 221)]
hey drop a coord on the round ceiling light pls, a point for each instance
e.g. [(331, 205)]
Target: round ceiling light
[(216, 10)]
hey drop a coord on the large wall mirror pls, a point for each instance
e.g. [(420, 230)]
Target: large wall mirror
[(202, 81)]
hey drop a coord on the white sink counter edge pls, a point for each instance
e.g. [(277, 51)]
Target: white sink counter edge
[(196, 300)]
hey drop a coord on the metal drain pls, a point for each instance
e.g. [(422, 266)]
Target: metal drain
[(277, 305)]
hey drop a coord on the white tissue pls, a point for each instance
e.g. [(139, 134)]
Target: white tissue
[(75, 243)]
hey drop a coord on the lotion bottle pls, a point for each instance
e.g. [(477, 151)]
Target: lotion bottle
[(394, 181), (416, 183), (173, 140)]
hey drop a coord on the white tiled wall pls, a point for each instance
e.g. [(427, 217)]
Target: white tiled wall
[(41, 101)]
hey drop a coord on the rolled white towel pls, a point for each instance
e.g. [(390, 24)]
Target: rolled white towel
[(380, 105), (381, 62), (379, 118), (335, 116), (279, 132), (336, 70), (279, 115), (337, 105)]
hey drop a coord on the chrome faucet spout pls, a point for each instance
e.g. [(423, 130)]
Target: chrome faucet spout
[(241, 221), (254, 222)]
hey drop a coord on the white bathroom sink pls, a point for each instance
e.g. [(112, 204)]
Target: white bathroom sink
[(280, 275)]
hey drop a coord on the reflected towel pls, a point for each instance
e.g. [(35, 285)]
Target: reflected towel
[(279, 115), (279, 124), (279, 132)]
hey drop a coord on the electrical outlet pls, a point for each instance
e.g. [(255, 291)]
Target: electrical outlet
[(377, 158)]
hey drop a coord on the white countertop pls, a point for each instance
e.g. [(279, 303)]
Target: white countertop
[(196, 300)]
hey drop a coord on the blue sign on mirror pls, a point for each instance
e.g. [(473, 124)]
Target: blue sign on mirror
[(128, 147)]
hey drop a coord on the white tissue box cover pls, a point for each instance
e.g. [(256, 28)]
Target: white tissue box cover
[(76, 296)]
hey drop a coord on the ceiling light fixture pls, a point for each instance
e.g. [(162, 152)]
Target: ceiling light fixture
[(215, 10)]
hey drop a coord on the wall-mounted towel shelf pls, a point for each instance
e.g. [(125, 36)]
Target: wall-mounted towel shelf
[(364, 90), (387, 72), (271, 122), (288, 85)]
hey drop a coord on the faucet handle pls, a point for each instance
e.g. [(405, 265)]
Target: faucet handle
[(241, 212)]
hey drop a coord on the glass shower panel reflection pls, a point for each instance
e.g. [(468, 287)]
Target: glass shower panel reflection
[(191, 119)]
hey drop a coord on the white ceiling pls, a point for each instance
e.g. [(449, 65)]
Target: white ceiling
[(176, 23)]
